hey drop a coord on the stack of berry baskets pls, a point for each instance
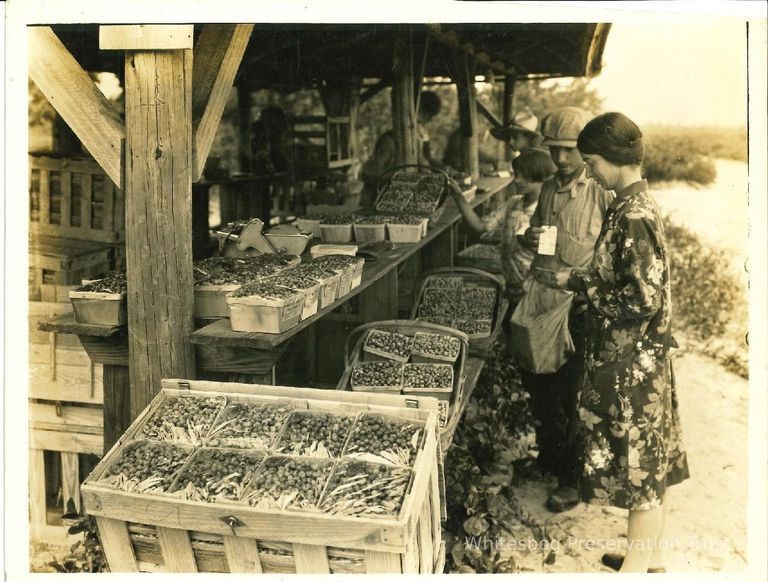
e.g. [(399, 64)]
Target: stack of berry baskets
[(349, 268), (328, 278), (215, 277), (307, 285)]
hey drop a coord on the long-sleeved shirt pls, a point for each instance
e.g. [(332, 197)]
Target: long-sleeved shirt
[(577, 209)]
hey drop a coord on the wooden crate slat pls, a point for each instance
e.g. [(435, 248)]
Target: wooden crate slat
[(70, 478), (311, 559), (410, 559), (41, 354), (435, 510), (66, 416), (80, 392), (382, 563), (311, 529), (117, 545), (426, 558), (362, 398), (242, 555), (72, 384), (177, 550), (72, 442), (37, 487)]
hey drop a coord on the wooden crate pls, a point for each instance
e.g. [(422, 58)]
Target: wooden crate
[(59, 265), (74, 198), (164, 533)]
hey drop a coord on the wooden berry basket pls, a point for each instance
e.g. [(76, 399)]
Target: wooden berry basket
[(263, 315), (479, 344), (162, 533), (353, 354), (99, 308)]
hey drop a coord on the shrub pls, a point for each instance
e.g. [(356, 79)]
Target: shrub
[(708, 300), (688, 153)]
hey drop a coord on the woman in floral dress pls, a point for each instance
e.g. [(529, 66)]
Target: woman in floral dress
[(629, 411)]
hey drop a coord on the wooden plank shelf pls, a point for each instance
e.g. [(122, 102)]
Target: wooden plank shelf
[(67, 324)]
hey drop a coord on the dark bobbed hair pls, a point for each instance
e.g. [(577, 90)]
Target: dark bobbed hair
[(613, 136), (534, 165), (429, 103)]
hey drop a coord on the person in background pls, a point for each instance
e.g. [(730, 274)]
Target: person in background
[(632, 439), (521, 132), (384, 152), (508, 223), (269, 142), (576, 204)]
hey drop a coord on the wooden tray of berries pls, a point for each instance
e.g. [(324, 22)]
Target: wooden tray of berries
[(356, 356), (464, 298), (169, 497)]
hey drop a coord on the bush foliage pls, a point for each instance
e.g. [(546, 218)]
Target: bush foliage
[(688, 153), (709, 302)]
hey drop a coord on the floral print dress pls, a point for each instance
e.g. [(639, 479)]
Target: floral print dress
[(628, 407)]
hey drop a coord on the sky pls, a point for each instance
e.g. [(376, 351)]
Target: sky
[(676, 73)]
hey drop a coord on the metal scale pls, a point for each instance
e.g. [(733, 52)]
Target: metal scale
[(247, 239)]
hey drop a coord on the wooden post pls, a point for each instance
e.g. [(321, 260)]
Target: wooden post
[(465, 86), (508, 108), (158, 199), (244, 125), (403, 106)]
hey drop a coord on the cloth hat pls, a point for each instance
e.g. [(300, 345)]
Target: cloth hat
[(562, 126), (523, 121)]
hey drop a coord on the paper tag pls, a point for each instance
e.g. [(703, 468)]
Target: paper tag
[(548, 240), (504, 174)]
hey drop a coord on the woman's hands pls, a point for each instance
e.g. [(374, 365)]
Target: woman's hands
[(532, 235), (555, 279)]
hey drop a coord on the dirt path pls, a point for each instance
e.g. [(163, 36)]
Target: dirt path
[(707, 529)]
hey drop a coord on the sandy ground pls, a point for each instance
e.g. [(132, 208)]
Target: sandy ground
[(707, 529)]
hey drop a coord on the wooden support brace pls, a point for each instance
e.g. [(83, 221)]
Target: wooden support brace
[(76, 98), (221, 47), (488, 114)]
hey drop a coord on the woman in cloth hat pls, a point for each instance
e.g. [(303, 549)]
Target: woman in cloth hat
[(520, 132), (628, 406)]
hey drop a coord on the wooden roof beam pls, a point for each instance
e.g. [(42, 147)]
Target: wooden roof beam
[(452, 39), (222, 46), (76, 98)]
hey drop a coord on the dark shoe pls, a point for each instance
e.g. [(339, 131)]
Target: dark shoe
[(616, 561), (563, 499)]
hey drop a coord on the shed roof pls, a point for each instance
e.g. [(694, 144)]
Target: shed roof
[(301, 55)]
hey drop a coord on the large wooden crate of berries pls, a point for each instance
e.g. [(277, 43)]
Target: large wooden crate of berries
[(219, 477)]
